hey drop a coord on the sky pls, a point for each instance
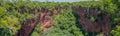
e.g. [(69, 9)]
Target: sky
[(61, 0)]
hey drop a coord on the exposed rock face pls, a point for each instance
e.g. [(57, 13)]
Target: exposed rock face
[(56, 11), (46, 18), (101, 23), (29, 25), (46, 22), (27, 28)]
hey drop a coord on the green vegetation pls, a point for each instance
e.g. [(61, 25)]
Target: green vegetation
[(116, 32), (37, 31), (14, 14), (64, 25)]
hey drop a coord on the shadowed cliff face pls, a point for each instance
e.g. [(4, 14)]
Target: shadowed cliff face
[(100, 24), (45, 18), (29, 25)]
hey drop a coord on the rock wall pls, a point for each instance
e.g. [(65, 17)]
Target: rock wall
[(45, 18), (101, 22)]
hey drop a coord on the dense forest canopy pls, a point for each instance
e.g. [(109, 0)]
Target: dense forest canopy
[(14, 14)]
